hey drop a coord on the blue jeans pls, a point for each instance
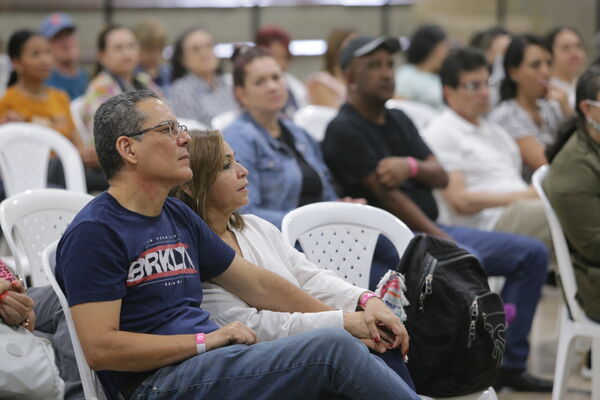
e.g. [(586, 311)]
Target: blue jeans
[(324, 363), (50, 323), (523, 261)]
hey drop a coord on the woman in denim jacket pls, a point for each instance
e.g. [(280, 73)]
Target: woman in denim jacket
[(285, 164)]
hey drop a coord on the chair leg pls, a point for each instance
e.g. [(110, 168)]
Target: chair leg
[(596, 363), (563, 357)]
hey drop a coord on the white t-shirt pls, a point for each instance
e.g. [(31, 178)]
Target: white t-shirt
[(485, 153), (263, 244)]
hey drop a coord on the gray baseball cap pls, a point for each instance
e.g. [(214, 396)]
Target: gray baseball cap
[(365, 44)]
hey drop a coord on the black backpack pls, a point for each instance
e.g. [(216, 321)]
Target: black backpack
[(456, 325)]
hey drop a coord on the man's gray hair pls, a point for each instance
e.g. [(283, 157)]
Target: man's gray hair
[(116, 117)]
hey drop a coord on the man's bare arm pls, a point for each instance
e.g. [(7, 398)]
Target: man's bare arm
[(392, 171), (466, 202), (108, 348), (397, 203)]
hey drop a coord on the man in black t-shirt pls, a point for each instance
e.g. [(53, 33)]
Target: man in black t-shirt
[(377, 153)]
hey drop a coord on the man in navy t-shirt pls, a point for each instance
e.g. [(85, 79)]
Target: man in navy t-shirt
[(132, 264)]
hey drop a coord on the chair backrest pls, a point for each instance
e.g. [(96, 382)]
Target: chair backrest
[(92, 389), (24, 152), (223, 120), (420, 113), (192, 124), (314, 119), (341, 236), (77, 115), (33, 219), (563, 256)]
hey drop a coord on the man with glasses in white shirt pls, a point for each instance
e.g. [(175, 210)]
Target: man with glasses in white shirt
[(486, 191)]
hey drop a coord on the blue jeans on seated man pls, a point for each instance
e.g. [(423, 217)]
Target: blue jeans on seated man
[(522, 260), (324, 363)]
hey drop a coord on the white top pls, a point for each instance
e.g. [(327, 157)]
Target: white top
[(263, 244), (485, 153), (421, 86)]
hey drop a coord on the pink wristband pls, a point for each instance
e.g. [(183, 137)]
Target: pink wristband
[(413, 165), (200, 343), (365, 297)]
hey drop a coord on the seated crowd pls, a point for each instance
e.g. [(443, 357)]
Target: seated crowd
[(244, 311)]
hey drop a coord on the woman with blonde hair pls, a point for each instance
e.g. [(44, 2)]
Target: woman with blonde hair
[(217, 190)]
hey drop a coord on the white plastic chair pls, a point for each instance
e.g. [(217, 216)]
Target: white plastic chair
[(421, 114), (92, 388), (223, 120), (575, 324), (77, 115), (314, 119), (341, 236), (24, 153), (33, 219), (192, 124)]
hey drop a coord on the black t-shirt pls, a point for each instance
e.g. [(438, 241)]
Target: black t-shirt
[(353, 146), (312, 187)]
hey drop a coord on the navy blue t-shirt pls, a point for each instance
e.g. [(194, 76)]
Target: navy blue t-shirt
[(155, 265)]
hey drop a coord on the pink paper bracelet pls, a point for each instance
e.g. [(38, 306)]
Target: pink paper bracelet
[(413, 165), (365, 297)]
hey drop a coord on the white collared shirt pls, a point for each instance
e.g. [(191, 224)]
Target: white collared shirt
[(485, 153)]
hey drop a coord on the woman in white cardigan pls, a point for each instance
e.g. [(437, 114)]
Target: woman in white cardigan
[(218, 189)]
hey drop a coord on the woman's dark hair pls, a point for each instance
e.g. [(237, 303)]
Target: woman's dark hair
[(242, 56), (588, 88), (101, 43), (513, 58), (16, 43), (177, 68), (483, 39), (423, 41), (551, 36)]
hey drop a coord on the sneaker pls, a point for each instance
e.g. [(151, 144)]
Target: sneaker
[(521, 381)]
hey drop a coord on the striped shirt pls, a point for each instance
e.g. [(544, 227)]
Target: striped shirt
[(191, 97)]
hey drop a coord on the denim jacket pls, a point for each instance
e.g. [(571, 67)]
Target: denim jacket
[(275, 178)]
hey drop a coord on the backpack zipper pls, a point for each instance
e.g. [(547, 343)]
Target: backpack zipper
[(474, 313), (426, 288)]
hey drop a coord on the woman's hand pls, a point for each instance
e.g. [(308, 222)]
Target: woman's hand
[(383, 323), (16, 307), (555, 93)]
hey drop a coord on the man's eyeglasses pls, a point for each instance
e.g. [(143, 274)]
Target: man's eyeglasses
[(474, 86), (593, 103), (172, 128)]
